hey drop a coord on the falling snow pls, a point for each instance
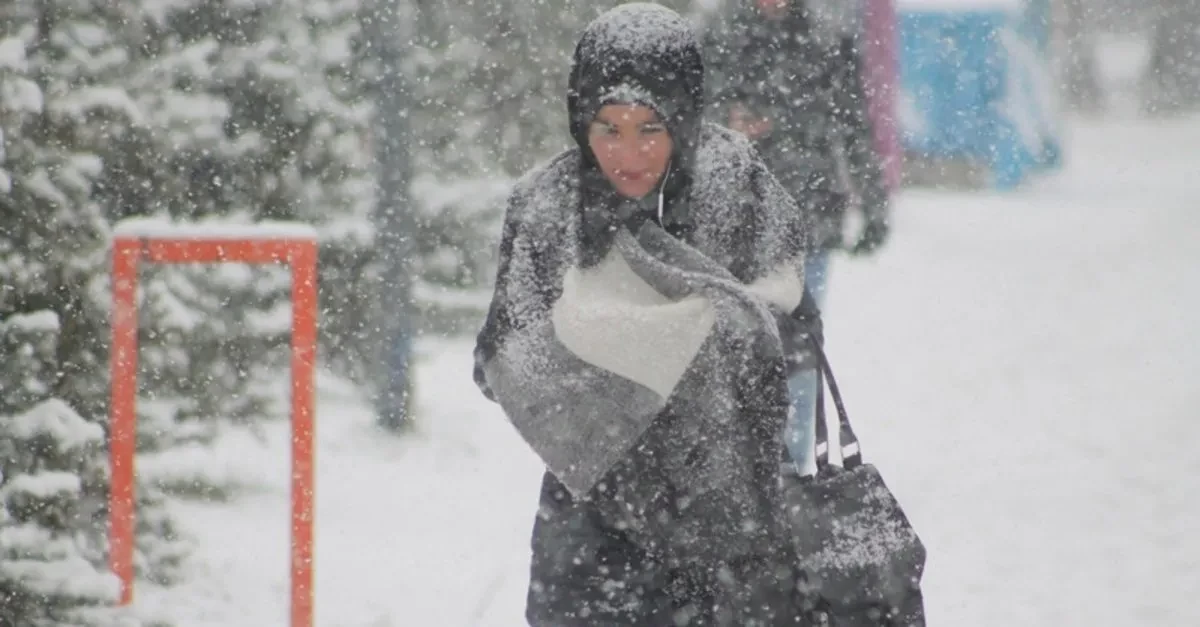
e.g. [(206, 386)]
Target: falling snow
[(1018, 357)]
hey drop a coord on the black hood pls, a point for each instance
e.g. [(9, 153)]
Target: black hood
[(640, 53)]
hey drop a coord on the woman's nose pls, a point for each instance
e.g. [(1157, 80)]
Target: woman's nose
[(641, 148)]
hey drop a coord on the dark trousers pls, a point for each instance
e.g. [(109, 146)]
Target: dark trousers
[(585, 573)]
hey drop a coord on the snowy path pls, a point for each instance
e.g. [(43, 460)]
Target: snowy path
[(414, 531), (1022, 368), (1038, 354)]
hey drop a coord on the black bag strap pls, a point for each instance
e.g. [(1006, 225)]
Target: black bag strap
[(851, 453)]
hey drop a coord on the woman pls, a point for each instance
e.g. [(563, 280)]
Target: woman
[(634, 341)]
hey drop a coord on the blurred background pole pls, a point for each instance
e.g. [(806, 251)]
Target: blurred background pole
[(388, 27)]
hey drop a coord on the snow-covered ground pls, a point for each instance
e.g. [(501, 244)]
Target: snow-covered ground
[(1023, 369)]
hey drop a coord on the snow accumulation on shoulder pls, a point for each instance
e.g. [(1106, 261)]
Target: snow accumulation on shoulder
[(161, 228), (640, 27)]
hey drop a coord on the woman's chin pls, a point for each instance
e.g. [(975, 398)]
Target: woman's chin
[(633, 190)]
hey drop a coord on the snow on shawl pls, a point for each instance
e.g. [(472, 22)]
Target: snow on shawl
[(583, 360)]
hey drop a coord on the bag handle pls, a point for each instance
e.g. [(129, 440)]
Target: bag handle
[(851, 453)]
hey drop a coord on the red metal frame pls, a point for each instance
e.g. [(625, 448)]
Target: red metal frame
[(300, 253)]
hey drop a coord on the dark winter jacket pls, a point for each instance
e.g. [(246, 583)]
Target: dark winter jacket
[(810, 88), (641, 357)]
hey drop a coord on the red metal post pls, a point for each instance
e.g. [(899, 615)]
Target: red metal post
[(303, 260), (301, 254), (123, 419)]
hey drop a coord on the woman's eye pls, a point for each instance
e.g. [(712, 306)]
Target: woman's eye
[(653, 129)]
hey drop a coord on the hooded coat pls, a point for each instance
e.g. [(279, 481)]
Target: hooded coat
[(659, 418)]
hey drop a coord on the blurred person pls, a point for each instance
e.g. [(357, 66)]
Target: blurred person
[(787, 74), (634, 341), (1172, 81)]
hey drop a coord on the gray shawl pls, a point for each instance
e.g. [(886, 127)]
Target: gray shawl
[(652, 381)]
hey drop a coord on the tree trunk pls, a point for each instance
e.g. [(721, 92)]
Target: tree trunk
[(387, 28)]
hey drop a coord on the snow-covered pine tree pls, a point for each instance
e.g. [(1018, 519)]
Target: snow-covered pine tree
[(254, 112), (53, 475), (488, 97), (206, 330), (492, 80), (49, 454), (61, 96)]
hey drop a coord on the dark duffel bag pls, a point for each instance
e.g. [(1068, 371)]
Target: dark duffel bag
[(860, 552)]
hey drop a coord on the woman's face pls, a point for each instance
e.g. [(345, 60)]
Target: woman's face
[(632, 147)]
